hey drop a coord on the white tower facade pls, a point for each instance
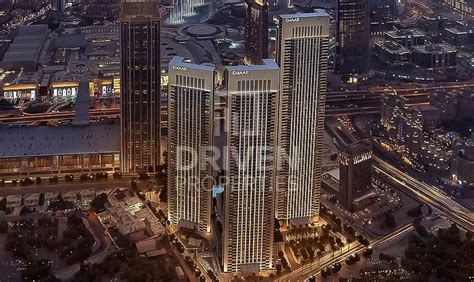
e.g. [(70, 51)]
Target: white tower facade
[(190, 138), (252, 93), (302, 55)]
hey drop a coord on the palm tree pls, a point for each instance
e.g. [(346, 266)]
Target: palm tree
[(349, 241)]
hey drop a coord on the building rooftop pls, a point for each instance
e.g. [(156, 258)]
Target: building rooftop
[(268, 64), (27, 44), (434, 48), (70, 41), (459, 30), (179, 62), (404, 33), (316, 13), (393, 47), (62, 140), (358, 147)]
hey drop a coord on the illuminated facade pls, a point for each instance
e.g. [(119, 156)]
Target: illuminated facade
[(252, 93), (190, 127), (183, 9), (355, 173), (352, 36), (20, 91), (256, 31), (302, 54), (140, 86)]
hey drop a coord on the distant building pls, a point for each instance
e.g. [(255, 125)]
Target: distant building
[(432, 24), (252, 93), (355, 174), (407, 128), (190, 137), (459, 36), (140, 86), (352, 36), (59, 5), (381, 15), (439, 56), (256, 31), (462, 164), (447, 102), (463, 6), (392, 53), (406, 37), (25, 50), (65, 148), (455, 104)]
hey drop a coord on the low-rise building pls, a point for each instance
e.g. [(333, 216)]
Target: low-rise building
[(392, 53), (31, 199), (439, 56), (406, 37), (463, 163), (13, 201), (459, 36)]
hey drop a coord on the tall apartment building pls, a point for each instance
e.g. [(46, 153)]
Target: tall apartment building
[(252, 93), (302, 54), (352, 36), (355, 168), (140, 85), (190, 136), (256, 31)]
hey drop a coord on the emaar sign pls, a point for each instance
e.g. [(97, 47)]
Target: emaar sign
[(240, 72), (292, 20), (180, 68)]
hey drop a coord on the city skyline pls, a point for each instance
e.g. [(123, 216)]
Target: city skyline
[(272, 140)]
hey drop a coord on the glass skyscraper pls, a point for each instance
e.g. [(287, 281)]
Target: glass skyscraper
[(256, 31), (352, 36), (140, 86)]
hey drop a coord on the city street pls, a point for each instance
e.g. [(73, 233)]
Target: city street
[(315, 268), (64, 187), (427, 194)]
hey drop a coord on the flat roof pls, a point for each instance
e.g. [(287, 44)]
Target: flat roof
[(179, 62), (268, 64), (393, 47), (316, 13), (26, 56), (434, 48), (32, 30), (404, 33), (34, 141)]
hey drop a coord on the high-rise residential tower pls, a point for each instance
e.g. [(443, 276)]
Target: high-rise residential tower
[(252, 93), (302, 54), (140, 85), (355, 174), (352, 36), (256, 31), (190, 134)]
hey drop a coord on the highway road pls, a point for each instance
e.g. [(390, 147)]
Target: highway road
[(337, 103), (430, 195), (311, 269), (94, 114), (63, 187)]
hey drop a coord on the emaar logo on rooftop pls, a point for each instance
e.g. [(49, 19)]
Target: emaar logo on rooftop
[(240, 72), (292, 20)]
